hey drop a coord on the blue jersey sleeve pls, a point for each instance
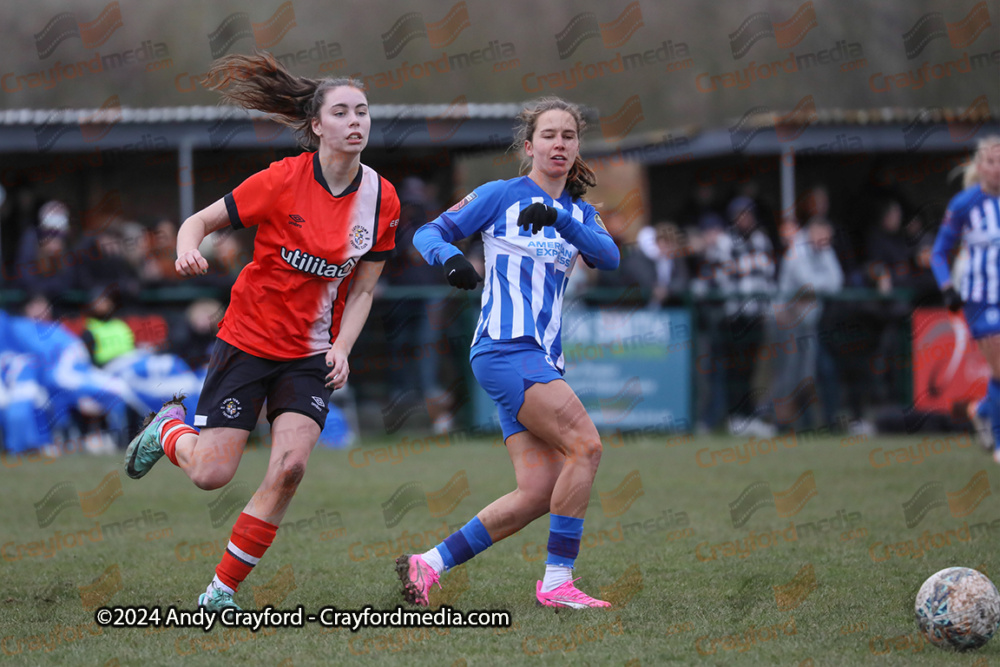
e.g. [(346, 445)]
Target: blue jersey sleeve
[(477, 210), (591, 238), (948, 236)]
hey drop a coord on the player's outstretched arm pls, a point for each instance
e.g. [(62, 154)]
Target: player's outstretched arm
[(591, 239), (193, 232), (433, 243), (458, 271)]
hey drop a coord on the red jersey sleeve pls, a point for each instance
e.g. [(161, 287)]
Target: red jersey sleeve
[(387, 220), (254, 199)]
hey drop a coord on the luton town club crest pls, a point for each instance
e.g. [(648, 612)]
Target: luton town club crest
[(359, 236), (231, 408)]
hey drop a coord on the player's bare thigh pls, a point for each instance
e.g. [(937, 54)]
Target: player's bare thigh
[(554, 413), (216, 454)]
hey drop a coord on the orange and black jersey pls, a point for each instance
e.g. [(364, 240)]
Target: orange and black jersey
[(288, 301)]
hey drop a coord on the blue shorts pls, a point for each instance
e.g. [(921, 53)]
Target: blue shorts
[(983, 319), (505, 369)]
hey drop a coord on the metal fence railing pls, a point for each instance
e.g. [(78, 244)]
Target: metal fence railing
[(410, 366)]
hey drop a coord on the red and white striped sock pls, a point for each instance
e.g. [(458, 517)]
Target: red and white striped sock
[(170, 432), (250, 539)]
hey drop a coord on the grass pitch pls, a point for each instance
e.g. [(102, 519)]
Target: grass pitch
[(715, 551)]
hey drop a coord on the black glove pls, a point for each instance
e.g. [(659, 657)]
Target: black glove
[(536, 216), (461, 273), (952, 299)]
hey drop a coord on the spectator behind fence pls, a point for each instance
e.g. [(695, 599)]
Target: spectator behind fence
[(788, 231), (890, 268), (700, 202), (747, 262), (767, 218), (809, 270), (814, 207), (888, 251), (230, 258), (738, 267), (100, 261), (921, 281), (106, 336), (665, 249), (159, 264), (919, 235), (636, 272), (42, 265), (750, 284), (194, 341), (135, 246)]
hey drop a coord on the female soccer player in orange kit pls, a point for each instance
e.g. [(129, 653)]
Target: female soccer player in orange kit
[(325, 226)]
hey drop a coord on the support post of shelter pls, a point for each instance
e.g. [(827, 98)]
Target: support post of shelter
[(788, 183), (185, 177)]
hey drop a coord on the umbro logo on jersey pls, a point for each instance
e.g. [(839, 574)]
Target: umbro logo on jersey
[(318, 403), (317, 266), (295, 220)]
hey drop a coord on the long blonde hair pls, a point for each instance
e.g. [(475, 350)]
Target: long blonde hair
[(971, 176), (581, 176), (261, 82)]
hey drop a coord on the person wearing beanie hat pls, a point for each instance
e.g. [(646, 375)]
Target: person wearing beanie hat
[(42, 267), (738, 206), (53, 219)]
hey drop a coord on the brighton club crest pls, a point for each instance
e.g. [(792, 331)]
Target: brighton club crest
[(359, 236), (231, 408)]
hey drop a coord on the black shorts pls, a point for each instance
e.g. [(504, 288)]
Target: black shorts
[(238, 383)]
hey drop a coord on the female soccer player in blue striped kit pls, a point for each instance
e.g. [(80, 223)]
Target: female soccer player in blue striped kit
[(973, 217), (533, 228)]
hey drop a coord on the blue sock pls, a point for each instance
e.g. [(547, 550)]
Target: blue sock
[(565, 533), (464, 543), (993, 397)]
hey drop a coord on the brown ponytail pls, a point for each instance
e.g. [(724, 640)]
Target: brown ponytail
[(581, 176), (260, 82)]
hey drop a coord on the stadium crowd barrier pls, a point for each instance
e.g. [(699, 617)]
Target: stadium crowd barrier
[(156, 313)]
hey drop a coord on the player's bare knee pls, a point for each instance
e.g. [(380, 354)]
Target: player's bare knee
[(585, 449), (594, 450), (211, 478), (207, 483)]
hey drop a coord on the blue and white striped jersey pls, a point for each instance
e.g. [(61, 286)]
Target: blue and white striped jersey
[(973, 217), (526, 274)]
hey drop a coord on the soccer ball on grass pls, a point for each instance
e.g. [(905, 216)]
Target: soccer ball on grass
[(958, 608)]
